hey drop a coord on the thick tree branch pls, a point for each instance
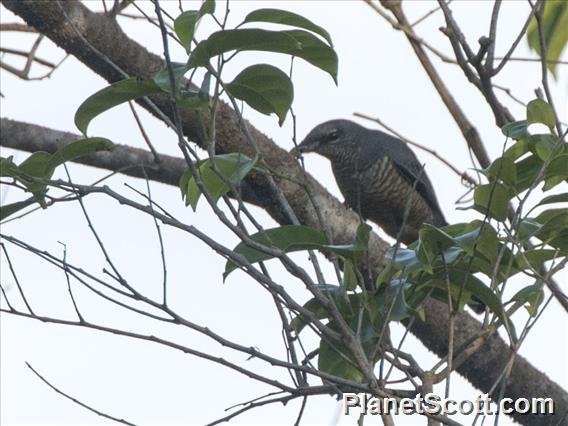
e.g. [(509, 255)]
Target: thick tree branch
[(103, 33)]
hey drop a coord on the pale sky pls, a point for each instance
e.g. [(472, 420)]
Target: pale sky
[(148, 384)]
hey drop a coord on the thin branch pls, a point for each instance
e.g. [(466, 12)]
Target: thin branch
[(548, 61), (144, 134), (76, 401), (16, 26), (67, 278), (511, 50), (510, 94), (16, 280), (26, 55), (493, 34), (161, 242), (96, 235), (426, 15)]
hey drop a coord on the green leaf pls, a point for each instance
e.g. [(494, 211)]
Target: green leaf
[(551, 182), (345, 304), (185, 24), (527, 172), (483, 239), (316, 52), (8, 167), (314, 306), (518, 149), (539, 111), (162, 78), (79, 149), (426, 256), (111, 96), (288, 238), (265, 89), (438, 289), (37, 165), (432, 242), (191, 99), (558, 167), (558, 198), (544, 145), (555, 29), (208, 7), (404, 258), (334, 356), (296, 42), (492, 199), (435, 237), (352, 278), (331, 360), (478, 289), (391, 299), (516, 129), (232, 167), (9, 209), (277, 16), (554, 230), (354, 251), (534, 258), (527, 228), (502, 168), (41, 165), (532, 295), (547, 215)]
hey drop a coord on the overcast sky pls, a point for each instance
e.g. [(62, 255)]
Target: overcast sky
[(144, 383)]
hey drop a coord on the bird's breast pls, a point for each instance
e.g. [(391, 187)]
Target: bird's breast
[(381, 194)]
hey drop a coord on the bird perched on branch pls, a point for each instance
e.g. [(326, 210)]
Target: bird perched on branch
[(379, 176)]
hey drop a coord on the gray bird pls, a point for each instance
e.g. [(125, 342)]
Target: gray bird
[(378, 175)]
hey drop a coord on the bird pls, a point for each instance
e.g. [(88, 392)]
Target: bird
[(378, 175)]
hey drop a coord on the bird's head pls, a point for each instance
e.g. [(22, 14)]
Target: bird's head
[(329, 138)]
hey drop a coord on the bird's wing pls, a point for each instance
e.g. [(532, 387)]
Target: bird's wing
[(407, 165)]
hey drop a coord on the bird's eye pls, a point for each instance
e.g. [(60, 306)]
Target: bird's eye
[(333, 135)]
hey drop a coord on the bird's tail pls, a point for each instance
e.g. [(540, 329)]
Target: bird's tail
[(439, 219)]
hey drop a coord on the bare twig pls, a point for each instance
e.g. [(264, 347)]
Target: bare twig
[(493, 34), (26, 54), (511, 50), (144, 134), (17, 281), (67, 278), (16, 26), (76, 401), (426, 15), (24, 73)]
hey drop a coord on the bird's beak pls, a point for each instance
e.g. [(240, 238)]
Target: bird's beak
[(305, 146)]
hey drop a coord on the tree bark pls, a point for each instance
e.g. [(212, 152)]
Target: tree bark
[(98, 42)]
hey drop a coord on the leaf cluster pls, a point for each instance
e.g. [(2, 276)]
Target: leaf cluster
[(40, 166)]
